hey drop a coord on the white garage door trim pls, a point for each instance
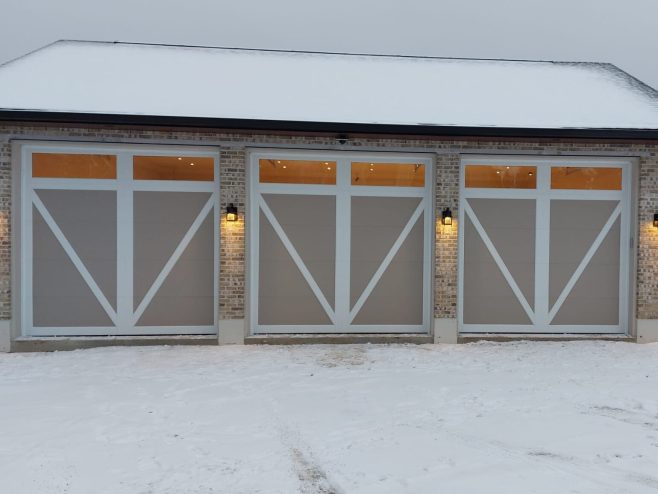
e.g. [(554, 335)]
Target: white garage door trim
[(341, 319), (542, 315), (124, 318)]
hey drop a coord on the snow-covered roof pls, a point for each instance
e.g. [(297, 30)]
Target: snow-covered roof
[(224, 83)]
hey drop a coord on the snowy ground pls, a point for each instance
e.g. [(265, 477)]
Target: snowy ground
[(553, 418)]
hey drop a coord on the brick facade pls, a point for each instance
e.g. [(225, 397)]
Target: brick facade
[(233, 165)]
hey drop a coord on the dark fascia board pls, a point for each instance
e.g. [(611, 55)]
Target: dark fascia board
[(424, 130)]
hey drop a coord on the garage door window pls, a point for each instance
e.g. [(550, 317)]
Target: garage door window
[(388, 174), (501, 176), (586, 178), (69, 165), (134, 255), (286, 171), (182, 168)]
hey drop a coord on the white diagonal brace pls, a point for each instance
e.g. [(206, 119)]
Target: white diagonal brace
[(196, 224), (75, 259), (387, 261), (585, 261), (499, 261), (297, 259)]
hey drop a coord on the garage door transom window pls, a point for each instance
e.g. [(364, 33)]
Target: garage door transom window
[(340, 243), (118, 240)]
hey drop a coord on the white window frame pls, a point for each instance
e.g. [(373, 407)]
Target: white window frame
[(543, 194), (125, 318), (343, 190)]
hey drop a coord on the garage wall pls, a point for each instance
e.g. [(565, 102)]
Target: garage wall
[(233, 189)]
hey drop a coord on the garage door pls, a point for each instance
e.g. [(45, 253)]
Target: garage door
[(118, 241), (544, 246), (340, 243)]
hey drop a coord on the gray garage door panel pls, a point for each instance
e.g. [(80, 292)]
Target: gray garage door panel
[(88, 220), (376, 223), (161, 220), (510, 225), (398, 296), (61, 297), (575, 224), (594, 298), (186, 297), (284, 296), (309, 222), (488, 298)]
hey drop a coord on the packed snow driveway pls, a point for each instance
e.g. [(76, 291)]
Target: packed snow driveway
[(578, 417)]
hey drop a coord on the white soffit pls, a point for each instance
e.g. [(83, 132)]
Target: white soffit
[(173, 81)]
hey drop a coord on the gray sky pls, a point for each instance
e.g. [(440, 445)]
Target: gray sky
[(623, 32)]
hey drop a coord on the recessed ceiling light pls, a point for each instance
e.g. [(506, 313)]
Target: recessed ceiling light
[(180, 159), (278, 161), (191, 164), (284, 166)]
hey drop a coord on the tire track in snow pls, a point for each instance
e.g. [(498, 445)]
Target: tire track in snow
[(312, 477)]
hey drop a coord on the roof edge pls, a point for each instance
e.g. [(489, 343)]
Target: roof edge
[(633, 81), (322, 127), (31, 52), (321, 52)]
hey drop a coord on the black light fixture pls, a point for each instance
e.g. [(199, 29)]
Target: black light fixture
[(446, 217), (655, 220), (231, 212)]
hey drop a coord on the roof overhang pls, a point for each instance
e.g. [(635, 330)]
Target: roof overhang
[(279, 126)]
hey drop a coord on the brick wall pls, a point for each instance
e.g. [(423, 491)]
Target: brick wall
[(233, 189)]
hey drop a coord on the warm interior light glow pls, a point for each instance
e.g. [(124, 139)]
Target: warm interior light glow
[(500, 177), (62, 165), (297, 172), (388, 174), (585, 178), (174, 168)]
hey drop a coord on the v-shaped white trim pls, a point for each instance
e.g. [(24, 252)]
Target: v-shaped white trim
[(387, 260), (499, 261), (297, 259), (585, 261), (173, 259), (75, 259)]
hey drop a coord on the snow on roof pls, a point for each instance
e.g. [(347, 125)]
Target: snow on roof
[(224, 83)]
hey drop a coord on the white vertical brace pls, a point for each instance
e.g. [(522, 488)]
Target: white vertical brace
[(343, 243), (124, 241), (297, 259), (585, 261), (173, 259), (499, 261), (77, 262), (387, 260), (542, 245)]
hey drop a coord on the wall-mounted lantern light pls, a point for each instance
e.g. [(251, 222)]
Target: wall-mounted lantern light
[(231, 212), (655, 220), (446, 217)]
